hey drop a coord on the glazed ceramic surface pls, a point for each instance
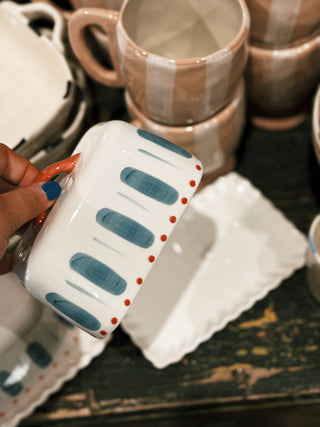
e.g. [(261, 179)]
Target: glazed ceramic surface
[(40, 351), (227, 252), (108, 226), (313, 260), (36, 84), (76, 4), (212, 141), (278, 23), (158, 48), (280, 82), (62, 146), (316, 123)]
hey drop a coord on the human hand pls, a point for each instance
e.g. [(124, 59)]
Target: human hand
[(21, 199)]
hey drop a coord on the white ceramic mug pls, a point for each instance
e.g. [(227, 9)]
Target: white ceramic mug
[(108, 226), (180, 61)]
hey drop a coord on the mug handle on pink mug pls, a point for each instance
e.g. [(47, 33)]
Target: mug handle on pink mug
[(107, 20)]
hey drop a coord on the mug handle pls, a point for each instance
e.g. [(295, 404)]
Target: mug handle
[(107, 20), (66, 14), (34, 11), (63, 166)]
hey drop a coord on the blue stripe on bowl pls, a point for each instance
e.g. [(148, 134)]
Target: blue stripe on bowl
[(73, 311), (163, 143), (7, 384), (125, 227), (311, 243), (38, 354), (98, 273), (149, 185)]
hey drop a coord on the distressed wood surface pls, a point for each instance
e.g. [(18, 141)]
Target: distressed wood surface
[(265, 362)]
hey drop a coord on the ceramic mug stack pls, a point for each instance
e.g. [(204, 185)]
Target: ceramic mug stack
[(284, 61), (181, 64)]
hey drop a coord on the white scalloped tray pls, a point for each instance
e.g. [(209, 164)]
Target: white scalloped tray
[(71, 349), (230, 248)]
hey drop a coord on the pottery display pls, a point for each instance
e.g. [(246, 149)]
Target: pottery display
[(143, 106)]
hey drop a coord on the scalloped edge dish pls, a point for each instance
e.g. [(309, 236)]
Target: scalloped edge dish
[(226, 253), (40, 363)]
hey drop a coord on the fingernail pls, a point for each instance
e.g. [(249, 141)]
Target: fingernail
[(52, 189)]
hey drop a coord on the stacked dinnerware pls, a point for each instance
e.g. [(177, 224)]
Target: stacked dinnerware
[(42, 89), (181, 65), (284, 61), (36, 84)]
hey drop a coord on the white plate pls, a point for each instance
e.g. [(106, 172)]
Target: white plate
[(70, 350), (231, 247)]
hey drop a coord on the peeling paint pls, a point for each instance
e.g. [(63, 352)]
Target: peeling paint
[(311, 348), (269, 316), (242, 352), (260, 351)]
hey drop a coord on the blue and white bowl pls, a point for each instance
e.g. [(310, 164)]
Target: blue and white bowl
[(107, 228)]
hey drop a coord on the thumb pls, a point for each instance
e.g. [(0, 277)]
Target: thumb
[(23, 204)]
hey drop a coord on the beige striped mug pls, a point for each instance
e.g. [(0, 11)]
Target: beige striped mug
[(180, 61), (279, 23)]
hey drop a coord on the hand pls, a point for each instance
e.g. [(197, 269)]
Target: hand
[(21, 199)]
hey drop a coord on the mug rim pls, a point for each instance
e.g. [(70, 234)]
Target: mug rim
[(234, 45), (293, 50)]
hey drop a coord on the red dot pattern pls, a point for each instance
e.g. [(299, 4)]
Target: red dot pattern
[(127, 302), (163, 238), (192, 183), (173, 219), (198, 167), (139, 280), (103, 333), (151, 258), (184, 200), (114, 320)]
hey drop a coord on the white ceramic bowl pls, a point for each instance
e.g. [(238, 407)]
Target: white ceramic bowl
[(36, 83), (107, 228), (62, 146)]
